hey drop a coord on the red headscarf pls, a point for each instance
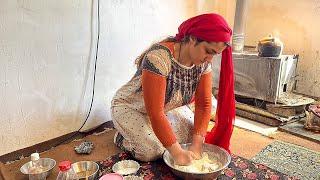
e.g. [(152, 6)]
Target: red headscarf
[(213, 28)]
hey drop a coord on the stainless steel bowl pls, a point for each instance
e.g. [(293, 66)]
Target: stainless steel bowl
[(48, 165), (87, 170), (213, 151)]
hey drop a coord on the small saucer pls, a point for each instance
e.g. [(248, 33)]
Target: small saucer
[(126, 167), (130, 177)]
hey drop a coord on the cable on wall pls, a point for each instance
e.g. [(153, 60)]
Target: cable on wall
[(94, 78)]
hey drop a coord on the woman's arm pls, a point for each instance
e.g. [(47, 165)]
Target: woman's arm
[(203, 105), (154, 87)]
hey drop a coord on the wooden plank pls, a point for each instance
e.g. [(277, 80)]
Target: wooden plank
[(259, 118), (286, 111)]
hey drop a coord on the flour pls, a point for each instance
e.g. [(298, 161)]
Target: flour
[(203, 165), (127, 170)]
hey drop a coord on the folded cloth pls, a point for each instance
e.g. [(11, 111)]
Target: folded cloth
[(313, 118)]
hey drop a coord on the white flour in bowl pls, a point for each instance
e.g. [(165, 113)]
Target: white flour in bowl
[(203, 165)]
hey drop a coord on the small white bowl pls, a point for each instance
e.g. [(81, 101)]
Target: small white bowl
[(132, 178), (126, 167)]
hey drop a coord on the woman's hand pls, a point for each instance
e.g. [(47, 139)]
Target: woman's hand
[(180, 156), (197, 151), (183, 158), (196, 146)]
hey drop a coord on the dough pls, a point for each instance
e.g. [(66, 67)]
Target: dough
[(203, 165)]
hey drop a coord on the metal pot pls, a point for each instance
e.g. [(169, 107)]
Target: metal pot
[(85, 170), (213, 151), (270, 47), (47, 163)]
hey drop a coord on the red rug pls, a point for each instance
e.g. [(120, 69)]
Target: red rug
[(239, 168)]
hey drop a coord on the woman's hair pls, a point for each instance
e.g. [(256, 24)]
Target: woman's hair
[(139, 59), (186, 39)]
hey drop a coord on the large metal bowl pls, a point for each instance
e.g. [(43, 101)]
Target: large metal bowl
[(48, 165), (213, 151), (86, 170)]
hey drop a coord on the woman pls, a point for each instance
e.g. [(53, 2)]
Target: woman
[(170, 75)]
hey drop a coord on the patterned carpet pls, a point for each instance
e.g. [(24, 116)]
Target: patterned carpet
[(239, 168), (290, 159)]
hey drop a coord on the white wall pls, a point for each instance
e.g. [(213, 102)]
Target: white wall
[(46, 62)]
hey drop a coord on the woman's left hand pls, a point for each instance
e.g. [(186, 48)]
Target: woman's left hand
[(196, 146), (196, 150)]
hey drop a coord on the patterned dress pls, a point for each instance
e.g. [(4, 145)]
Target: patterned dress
[(129, 115)]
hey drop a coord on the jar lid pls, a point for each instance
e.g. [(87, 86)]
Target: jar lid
[(64, 165), (35, 156)]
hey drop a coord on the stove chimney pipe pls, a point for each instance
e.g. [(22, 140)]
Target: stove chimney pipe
[(239, 25)]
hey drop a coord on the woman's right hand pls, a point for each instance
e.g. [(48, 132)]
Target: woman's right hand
[(180, 156), (183, 158)]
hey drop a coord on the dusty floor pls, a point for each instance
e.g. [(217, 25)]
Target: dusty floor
[(243, 143)]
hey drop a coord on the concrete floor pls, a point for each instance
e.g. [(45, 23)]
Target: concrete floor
[(247, 143)]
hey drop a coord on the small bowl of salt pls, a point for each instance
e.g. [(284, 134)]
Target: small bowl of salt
[(126, 167)]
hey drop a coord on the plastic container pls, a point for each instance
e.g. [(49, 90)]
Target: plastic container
[(66, 172)]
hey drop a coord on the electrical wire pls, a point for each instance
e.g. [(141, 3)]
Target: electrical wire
[(94, 78)]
